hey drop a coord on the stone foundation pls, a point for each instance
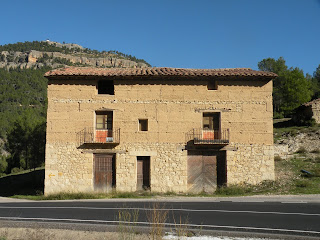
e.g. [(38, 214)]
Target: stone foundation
[(69, 169), (250, 163)]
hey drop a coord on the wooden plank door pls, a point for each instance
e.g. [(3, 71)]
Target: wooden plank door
[(202, 172), (104, 172), (195, 177), (143, 173), (209, 171)]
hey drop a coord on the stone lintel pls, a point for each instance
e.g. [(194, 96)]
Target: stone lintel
[(103, 151), (143, 153)]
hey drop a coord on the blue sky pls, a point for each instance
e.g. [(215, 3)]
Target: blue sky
[(175, 33)]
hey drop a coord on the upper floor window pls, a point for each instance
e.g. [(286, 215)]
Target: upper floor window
[(212, 85), (104, 120), (106, 87)]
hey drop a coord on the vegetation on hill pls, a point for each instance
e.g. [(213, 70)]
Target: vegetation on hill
[(23, 101), (291, 88)]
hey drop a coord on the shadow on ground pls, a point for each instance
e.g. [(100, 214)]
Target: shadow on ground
[(30, 183)]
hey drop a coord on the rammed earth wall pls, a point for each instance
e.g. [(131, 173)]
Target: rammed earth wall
[(172, 108)]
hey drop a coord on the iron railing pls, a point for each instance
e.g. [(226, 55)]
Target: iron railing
[(92, 135), (206, 136)]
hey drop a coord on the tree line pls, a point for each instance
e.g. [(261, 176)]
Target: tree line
[(23, 104), (292, 87)]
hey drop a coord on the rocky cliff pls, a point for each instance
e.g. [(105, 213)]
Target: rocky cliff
[(70, 54)]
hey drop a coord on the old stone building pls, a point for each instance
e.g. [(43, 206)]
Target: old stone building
[(307, 111), (163, 129)]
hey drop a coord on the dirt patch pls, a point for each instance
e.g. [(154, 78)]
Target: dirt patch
[(50, 234)]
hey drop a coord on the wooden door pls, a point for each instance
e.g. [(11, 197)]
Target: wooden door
[(143, 173), (104, 172), (202, 172)]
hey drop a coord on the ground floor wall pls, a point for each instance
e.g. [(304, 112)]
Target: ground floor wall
[(250, 163), (71, 169)]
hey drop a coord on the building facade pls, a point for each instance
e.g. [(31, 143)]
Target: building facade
[(162, 129)]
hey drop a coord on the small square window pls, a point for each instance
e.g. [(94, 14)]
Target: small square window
[(143, 124), (106, 87), (212, 85)]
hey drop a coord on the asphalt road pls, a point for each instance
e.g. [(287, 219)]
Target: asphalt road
[(301, 219)]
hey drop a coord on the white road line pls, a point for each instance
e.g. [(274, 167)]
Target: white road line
[(167, 224), (168, 209)]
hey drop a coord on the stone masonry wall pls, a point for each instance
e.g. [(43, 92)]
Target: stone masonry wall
[(69, 169), (316, 111), (250, 164)]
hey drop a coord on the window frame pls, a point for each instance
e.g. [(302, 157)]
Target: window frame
[(107, 120)]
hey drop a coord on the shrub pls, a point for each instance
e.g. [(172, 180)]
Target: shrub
[(16, 170), (277, 158), (315, 150), (301, 150), (303, 183)]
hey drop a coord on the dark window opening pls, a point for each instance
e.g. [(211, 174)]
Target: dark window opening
[(212, 85), (211, 121), (104, 120), (143, 124), (106, 87)]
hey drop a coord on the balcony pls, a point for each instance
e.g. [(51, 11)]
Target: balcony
[(98, 136), (206, 136)]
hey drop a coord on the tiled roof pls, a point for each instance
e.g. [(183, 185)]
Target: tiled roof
[(316, 101), (159, 71)]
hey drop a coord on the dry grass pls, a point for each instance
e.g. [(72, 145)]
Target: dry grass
[(127, 224), (157, 217)]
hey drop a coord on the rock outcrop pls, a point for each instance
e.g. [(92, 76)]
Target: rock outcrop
[(78, 57)]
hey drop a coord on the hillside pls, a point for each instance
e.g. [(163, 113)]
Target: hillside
[(23, 94), (53, 54)]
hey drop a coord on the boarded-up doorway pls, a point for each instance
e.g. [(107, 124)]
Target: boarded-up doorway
[(206, 170), (143, 173), (104, 172)]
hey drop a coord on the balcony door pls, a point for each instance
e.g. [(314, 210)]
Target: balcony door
[(211, 126), (104, 125)]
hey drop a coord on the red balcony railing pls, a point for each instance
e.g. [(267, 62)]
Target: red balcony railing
[(206, 136), (92, 135)]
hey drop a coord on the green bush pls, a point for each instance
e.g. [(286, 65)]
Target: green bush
[(16, 170)]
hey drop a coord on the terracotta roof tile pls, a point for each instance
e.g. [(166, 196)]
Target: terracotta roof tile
[(161, 71), (315, 101)]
